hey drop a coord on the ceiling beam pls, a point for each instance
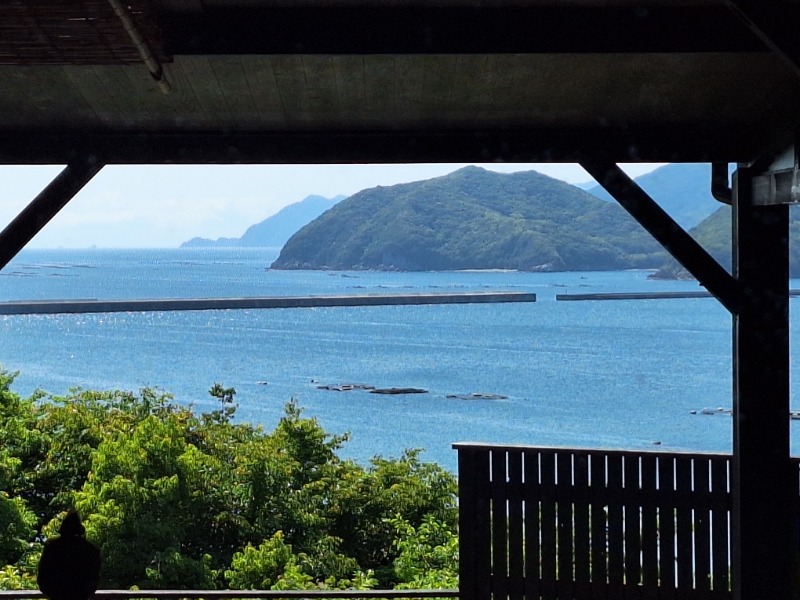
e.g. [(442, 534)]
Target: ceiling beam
[(431, 146), (454, 30), (775, 24)]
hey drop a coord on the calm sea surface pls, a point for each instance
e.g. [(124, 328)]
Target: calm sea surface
[(621, 374)]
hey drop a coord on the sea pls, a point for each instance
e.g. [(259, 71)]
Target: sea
[(630, 374)]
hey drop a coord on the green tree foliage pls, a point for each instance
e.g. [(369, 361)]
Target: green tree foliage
[(178, 500), (473, 219), (428, 554)]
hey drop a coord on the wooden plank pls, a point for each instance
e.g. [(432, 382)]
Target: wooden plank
[(548, 525), (143, 98), (720, 524), (582, 546), (289, 77), (380, 86), (263, 86), (206, 89), (516, 562), (236, 90), (471, 71), (532, 512), (499, 526), (473, 522), (565, 493), (683, 487), (320, 89), (616, 527), (702, 527), (101, 95), (183, 98), (666, 525), (409, 77), (468, 474), (599, 526), (438, 77), (351, 76), (52, 92), (649, 474), (633, 547)]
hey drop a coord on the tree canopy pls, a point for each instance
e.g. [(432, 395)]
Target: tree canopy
[(185, 501)]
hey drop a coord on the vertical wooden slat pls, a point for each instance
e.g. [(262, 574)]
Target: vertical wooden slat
[(649, 527), (720, 525), (666, 526), (702, 529), (473, 523), (543, 523), (566, 575), (499, 526), (548, 525), (532, 512), (616, 546), (683, 480), (581, 531), (633, 557), (515, 526), (599, 523)]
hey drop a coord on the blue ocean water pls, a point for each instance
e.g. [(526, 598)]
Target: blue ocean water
[(618, 374)]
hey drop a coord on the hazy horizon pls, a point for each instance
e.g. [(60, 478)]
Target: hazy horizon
[(162, 206)]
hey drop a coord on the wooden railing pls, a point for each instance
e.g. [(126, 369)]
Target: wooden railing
[(248, 594), (561, 523)]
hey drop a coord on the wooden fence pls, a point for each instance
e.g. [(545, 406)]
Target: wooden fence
[(246, 594), (559, 523)]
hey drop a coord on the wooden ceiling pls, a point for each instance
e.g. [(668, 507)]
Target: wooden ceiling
[(320, 81)]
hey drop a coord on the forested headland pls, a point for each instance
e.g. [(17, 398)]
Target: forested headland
[(179, 500), (473, 219)]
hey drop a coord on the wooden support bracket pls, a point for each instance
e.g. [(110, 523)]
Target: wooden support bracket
[(666, 231), (44, 207)]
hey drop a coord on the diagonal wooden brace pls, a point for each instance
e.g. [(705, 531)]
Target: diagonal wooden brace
[(44, 207), (666, 231)]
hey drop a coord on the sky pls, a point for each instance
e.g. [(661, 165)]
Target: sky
[(162, 206)]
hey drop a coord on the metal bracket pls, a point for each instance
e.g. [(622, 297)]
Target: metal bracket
[(776, 187)]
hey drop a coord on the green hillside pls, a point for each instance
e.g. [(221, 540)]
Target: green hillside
[(714, 234), (473, 219)]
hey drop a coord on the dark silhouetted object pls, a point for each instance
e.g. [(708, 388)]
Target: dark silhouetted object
[(70, 565)]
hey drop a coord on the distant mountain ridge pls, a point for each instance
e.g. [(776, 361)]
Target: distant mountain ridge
[(275, 230), (473, 219), (683, 190)]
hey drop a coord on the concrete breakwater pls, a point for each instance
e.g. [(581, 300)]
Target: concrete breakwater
[(176, 304), (643, 295)]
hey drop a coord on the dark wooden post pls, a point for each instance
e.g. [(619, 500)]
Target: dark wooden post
[(764, 527), (474, 523)]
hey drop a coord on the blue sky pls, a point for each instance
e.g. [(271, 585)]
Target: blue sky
[(163, 206)]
